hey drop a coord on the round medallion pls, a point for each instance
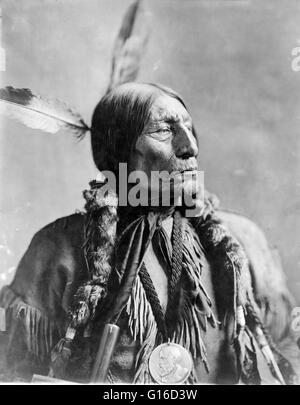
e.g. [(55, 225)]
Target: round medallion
[(170, 363)]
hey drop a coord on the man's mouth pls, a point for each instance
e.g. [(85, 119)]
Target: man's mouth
[(188, 169), (188, 166), (191, 169)]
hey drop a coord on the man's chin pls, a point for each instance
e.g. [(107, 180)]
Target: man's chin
[(190, 188)]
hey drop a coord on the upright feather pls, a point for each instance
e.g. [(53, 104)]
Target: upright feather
[(40, 113), (130, 45)]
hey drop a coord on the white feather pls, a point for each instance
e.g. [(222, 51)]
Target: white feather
[(130, 45), (40, 113)]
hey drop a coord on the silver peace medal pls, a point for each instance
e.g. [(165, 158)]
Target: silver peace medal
[(170, 363)]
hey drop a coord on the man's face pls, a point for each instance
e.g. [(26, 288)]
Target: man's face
[(167, 142), (166, 363)]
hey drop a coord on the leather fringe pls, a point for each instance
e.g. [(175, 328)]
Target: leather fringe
[(40, 332), (143, 327)]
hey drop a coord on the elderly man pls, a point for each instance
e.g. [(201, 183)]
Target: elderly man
[(162, 277)]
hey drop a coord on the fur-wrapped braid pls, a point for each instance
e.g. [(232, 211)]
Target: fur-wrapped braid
[(100, 233)]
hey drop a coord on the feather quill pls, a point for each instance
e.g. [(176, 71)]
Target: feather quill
[(130, 45), (40, 113)]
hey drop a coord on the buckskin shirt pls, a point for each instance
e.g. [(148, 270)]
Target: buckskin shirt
[(48, 276)]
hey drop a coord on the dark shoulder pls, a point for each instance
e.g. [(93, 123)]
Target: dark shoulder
[(53, 260), (71, 225), (59, 242)]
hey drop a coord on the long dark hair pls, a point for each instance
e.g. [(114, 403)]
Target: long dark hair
[(118, 120)]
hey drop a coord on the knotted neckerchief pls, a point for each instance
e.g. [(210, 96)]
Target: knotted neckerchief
[(189, 307), (173, 258)]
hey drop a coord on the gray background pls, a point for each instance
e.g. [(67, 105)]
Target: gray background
[(231, 61)]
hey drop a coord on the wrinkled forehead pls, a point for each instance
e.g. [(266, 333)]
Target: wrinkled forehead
[(168, 108)]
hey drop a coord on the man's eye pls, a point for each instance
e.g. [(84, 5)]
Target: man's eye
[(161, 134), (164, 130)]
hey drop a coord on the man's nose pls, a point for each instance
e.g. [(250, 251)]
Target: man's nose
[(185, 144)]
